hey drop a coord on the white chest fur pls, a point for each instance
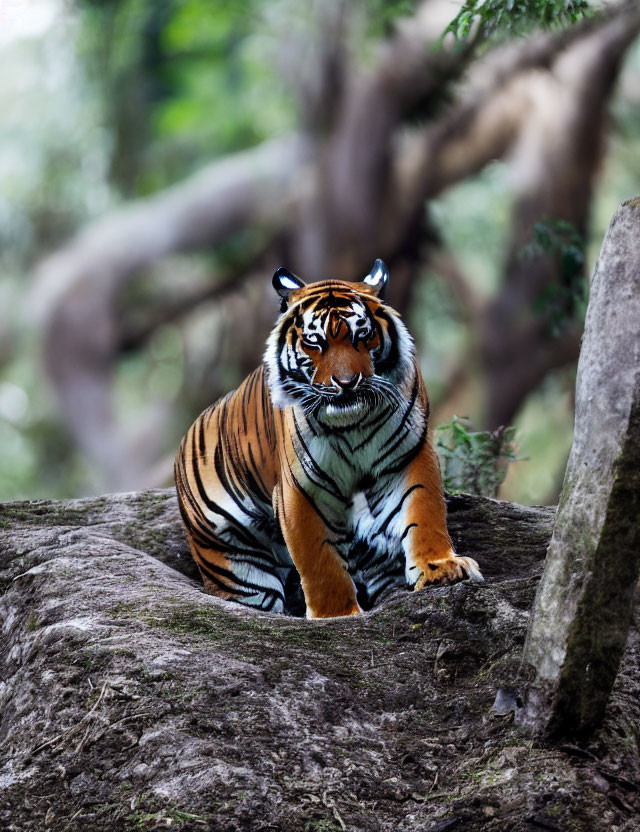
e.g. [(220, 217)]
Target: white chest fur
[(341, 470)]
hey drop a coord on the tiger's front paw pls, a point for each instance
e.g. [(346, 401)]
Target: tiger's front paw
[(448, 570), (332, 610)]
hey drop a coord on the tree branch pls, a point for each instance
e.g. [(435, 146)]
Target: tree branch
[(76, 288), (554, 165), (494, 104)]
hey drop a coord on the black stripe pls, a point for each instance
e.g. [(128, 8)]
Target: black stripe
[(313, 505), (392, 580), (374, 497), (201, 443), (404, 460), (256, 475), (216, 509), (376, 424), (387, 365), (401, 426), (185, 494), (395, 511), (306, 457), (230, 478), (231, 576), (211, 575), (407, 530)]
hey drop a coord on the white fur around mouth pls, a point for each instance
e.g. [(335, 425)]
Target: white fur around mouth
[(337, 414)]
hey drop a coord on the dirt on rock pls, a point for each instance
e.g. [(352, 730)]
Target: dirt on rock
[(131, 700)]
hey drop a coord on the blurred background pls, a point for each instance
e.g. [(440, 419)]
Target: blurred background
[(160, 158)]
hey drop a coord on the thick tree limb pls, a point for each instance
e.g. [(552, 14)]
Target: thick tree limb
[(76, 288), (554, 165), (550, 109), (494, 102), (252, 187), (411, 71)]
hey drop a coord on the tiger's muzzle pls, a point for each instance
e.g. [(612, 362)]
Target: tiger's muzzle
[(343, 404), (346, 385)]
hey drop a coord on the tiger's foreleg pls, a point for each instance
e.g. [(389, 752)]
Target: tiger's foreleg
[(327, 586), (429, 555)]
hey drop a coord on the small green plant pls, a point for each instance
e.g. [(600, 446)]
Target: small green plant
[(474, 461)]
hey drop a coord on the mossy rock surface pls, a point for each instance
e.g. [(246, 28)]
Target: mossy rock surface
[(133, 701)]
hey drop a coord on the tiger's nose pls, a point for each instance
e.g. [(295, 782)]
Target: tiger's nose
[(344, 385)]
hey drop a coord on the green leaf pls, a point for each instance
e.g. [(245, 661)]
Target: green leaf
[(474, 461), (516, 17)]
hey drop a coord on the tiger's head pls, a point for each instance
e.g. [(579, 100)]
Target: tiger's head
[(337, 350)]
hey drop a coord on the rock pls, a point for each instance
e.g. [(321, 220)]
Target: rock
[(507, 701), (132, 701), (584, 604)]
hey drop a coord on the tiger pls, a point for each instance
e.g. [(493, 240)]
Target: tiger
[(316, 480)]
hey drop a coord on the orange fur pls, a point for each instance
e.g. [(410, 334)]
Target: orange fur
[(255, 499)]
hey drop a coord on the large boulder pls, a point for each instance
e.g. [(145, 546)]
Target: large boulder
[(131, 700), (584, 605)]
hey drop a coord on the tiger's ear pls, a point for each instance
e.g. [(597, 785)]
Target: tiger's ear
[(378, 277), (285, 282)]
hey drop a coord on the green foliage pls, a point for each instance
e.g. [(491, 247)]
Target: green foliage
[(475, 462), (224, 91), (382, 14), (564, 299), (182, 81), (515, 16)]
